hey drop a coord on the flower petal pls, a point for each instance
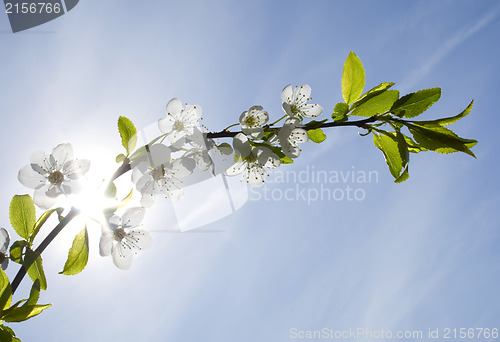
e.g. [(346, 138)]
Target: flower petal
[(4, 240), (299, 135), (256, 176), (122, 256), (115, 221), (42, 200), (236, 168), (106, 243), (242, 145), (159, 154), (166, 124), (61, 154), (30, 178), (140, 238), (312, 110), (74, 169), (288, 109), (175, 135), (286, 94), (174, 107), (40, 159), (133, 217), (190, 115), (301, 94)]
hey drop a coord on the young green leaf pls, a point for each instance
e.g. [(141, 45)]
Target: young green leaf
[(449, 120), (120, 158), (404, 176), (414, 104), (340, 112), (372, 93), (23, 313), (34, 265), (316, 135), (43, 218), (22, 215), (441, 139), (34, 294), (393, 155), (286, 160), (78, 254), (377, 104), (353, 78), (412, 146), (128, 133), (5, 291), (315, 124), (16, 250)]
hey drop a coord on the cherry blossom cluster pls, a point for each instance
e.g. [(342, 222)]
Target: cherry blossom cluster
[(159, 167)]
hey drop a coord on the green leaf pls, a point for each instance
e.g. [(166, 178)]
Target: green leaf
[(5, 291), (449, 120), (340, 112), (16, 250), (353, 78), (392, 154), (7, 334), (377, 104), (405, 156), (315, 124), (128, 133), (412, 146), (404, 176), (316, 135), (34, 294), (23, 313), (286, 160), (110, 191), (120, 158), (414, 104), (43, 218), (372, 93), (267, 135), (441, 139), (78, 254), (33, 263), (22, 215)]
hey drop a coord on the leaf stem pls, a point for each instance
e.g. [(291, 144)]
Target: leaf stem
[(228, 127), (275, 122)]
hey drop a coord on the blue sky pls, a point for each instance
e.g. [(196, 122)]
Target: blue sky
[(417, 255)]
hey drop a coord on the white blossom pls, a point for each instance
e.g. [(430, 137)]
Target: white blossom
[(121, 239), (158, 174), (252, 120), (252, 162), (4, 248), (53, 175), (180, 122), (199, 146), (295, 102), (290, 135)]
